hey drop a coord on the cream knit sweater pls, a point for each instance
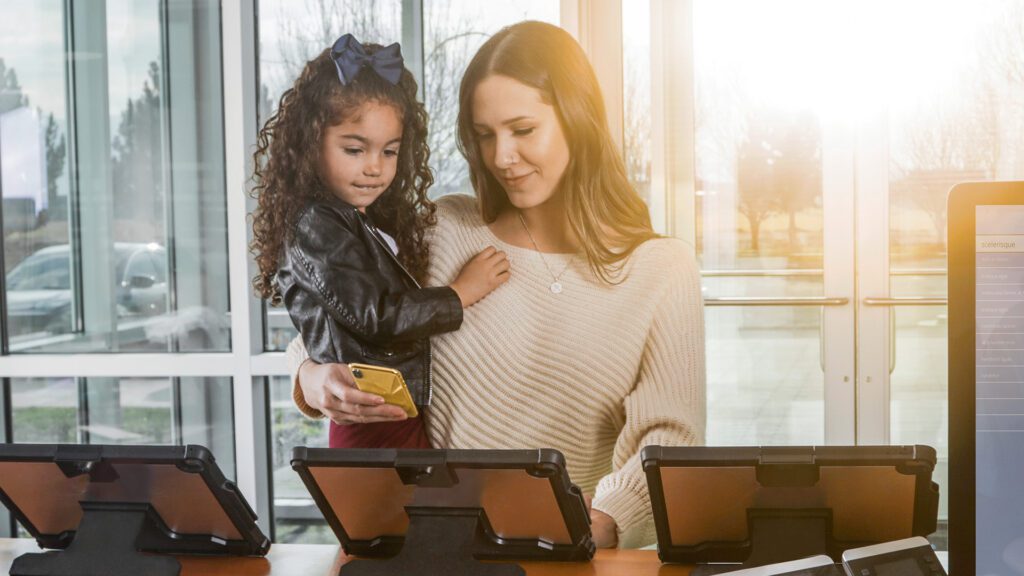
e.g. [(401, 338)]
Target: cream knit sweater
[(597, 371)]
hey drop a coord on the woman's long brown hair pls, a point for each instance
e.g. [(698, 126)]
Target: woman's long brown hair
[(604, 210), (286, 176)]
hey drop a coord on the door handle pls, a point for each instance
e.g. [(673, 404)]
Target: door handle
[(901, 301)]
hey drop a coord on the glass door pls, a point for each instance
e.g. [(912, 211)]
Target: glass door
[(806, 149)]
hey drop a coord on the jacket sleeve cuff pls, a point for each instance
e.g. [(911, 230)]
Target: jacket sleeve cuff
[(452, 316)]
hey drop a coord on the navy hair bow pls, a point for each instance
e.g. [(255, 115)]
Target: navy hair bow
[(350, 56)]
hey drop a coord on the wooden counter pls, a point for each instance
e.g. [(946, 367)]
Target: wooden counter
[(311, 560)]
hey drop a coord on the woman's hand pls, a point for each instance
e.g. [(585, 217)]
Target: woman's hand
[(603, 528), (331, 389)]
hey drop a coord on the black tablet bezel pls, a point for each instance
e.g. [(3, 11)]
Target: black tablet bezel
[(961, 209), (544, 462), (191, 458), (912, 460)]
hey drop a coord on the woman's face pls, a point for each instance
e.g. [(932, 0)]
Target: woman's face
[(521, 140)]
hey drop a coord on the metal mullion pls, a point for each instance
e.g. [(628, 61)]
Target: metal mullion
[(7, 526), (838, 324), (673, 137), (779, 301), (412, 41), (240, 94), (872, 264), (81, 384), (166, 173), (269, 364), (4, 349), (177, 434), (6, 411), (74, 187), (121, 365), (597, 26)]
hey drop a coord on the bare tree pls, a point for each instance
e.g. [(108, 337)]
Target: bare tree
[(755, 174), (949, 143), (449, 44), (1005, 50), (778, 169), (307, 31)]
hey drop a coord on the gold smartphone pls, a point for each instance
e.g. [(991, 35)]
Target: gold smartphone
[(385, 382)]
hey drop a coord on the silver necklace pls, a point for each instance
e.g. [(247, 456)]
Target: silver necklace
[(556, 286)]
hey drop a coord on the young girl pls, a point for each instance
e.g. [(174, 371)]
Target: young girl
[(341, 178)]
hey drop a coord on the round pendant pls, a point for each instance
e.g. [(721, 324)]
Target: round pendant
[(556, 287)]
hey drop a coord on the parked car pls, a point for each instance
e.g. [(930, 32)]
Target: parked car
[(39, 288)]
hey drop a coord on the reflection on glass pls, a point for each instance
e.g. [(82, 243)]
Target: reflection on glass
[(764, 376), (44, 410), (119, 284), (296, 517), (160, 411), (34, 168)]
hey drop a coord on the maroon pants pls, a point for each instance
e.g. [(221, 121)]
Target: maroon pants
[(402, 434)]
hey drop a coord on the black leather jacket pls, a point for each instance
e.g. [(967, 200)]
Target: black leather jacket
[(353, 301)]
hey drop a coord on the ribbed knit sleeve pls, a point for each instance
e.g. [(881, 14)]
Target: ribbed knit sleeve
[(666, 405), (296, 355)]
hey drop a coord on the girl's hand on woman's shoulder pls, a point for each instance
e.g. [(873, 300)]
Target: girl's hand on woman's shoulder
[(331, 389)]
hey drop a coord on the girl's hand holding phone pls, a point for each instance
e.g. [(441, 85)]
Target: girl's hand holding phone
[(481, 275), (331, 389)]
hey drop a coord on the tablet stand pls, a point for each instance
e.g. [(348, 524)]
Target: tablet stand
[(104, 543), (438, 542), (780, 535)]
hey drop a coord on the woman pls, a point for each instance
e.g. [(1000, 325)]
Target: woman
[(595, 346)]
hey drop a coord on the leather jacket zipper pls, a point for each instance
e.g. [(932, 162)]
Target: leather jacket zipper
[(428, 379), (376, 236)]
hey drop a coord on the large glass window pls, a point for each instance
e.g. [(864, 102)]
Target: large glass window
[(296, 517), (111, 155), (155, 411)]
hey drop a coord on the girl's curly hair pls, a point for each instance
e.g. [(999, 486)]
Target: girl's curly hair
[(286, 176)]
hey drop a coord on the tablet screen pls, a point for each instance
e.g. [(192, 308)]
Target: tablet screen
[(999, 388)]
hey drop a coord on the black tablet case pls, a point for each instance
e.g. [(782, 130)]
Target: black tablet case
[(101, 463), (788, 475), (440, 468)]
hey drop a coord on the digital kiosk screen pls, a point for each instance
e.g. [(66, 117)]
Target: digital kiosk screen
[(999, 389)]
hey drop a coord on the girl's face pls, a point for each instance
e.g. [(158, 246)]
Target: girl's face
[(520, 139), (359, 157)]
